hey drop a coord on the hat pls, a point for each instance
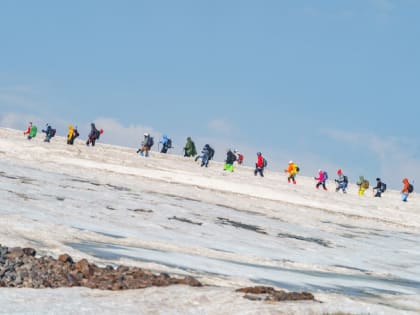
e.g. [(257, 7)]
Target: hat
[(339, 171), (290, 162), (145, 134), (258, 153), (378, 179)]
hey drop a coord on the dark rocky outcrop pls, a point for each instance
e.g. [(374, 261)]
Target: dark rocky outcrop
[(271, 294), (20, 268)]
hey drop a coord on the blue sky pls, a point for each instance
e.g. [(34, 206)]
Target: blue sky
[(326, 83)]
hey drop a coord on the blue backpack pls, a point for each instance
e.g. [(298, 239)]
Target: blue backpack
[(325, 175)]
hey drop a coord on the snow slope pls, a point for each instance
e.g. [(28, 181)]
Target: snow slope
[(165, 213)]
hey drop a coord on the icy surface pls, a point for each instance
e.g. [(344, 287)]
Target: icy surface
[(165, 213)]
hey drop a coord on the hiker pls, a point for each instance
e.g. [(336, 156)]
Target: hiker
[(94, 135), (363, 185), (380, 187), (166, 144), (239, 157), (72, 134), (230, 159), (342, 181), (189, 148), (205, 156), (407, 189), (292, 170), (49, 133), (146, 145), (322, 178), (259, 165), (31, 131)]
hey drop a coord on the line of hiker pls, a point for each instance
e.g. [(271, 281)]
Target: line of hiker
[(232, 157), (94, 134)]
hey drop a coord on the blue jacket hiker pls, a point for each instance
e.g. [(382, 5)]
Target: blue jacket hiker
[(342, 181), (207, 154), (49, 133), (166, 144)]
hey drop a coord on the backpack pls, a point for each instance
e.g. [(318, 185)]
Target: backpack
[(150, 142), (265, 163), (169, 144), (365, 184), (345, 179), (97, 134), (297, 169), (211, 152), (325, 175), (410, 188), (383, 187), (52, 132), (33, 132), (75, 133)]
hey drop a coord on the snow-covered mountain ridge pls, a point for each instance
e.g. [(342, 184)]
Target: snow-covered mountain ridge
[(165, 213)]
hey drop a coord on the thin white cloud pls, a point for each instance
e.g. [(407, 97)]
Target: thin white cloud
[(220, 126), (396, 156), (17, 121)]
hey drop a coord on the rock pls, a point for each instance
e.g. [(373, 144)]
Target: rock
[(20, 268), (275, 295), (65, 258), (3, 251), (83, 267), (14, 253), (122, 269), (191, 282), (256, 290), (29, 251), (18, 280)]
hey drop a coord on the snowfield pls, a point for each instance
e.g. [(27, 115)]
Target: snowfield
[(358, 255)]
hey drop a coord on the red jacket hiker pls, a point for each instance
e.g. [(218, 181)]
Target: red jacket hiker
[(259, 166)]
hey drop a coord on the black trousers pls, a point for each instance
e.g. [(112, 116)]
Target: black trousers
[(259, 170)]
